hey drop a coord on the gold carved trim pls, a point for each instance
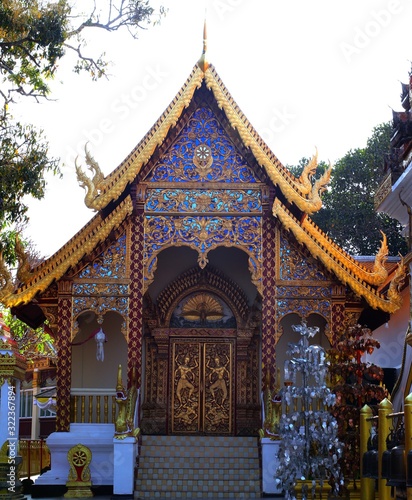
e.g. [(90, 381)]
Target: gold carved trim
[(210, 280), (337, 266), (376, 277), (70, 254), (299, 191), (162, 232)]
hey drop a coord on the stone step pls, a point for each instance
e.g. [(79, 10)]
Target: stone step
[(181, 462), (192, 452), (196, 495), (197, 474), (213, 441), (198, 467)]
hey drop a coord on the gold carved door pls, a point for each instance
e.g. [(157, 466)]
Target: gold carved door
[(202, 386)]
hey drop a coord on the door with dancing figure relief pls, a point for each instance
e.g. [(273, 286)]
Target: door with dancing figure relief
[(202, 386)]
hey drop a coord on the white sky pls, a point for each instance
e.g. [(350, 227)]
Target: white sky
[(319, 73)]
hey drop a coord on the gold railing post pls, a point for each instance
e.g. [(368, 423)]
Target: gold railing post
[(98, 409), (113, 409), (367, 485), (90, 409), (384, 425), (75, 400), (106, 409), (82, 408), (408, 437)]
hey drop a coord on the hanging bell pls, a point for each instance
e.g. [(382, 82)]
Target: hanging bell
[(409, 469), (386, 456), (370, 457), (366, 464), (374, 458), (370, 464), (386, 464), (398, 467)]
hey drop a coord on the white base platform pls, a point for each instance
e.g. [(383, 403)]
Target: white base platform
[(270, 463), (97, 437)]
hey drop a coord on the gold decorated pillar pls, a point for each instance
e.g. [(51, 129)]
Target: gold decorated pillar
[(384, 424), (367, 488), (408, 437)]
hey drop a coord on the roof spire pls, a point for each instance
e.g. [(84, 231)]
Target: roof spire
[(203, 63)]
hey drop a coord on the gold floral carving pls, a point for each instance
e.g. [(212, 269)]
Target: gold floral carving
[(389, 304), (379, 272), (293, 189), (96, 231), (203, 234)]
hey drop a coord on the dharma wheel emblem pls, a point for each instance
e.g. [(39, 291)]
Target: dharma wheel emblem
[(203, 159)]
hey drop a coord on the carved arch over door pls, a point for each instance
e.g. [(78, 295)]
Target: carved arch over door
[(207, 332)]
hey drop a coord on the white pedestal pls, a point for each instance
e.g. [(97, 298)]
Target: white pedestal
[(270, 464), (125, 451), (97, 437)]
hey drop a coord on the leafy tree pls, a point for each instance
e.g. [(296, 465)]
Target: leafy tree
[(33, 344), (34, 36), (355, 384), (348, 215)]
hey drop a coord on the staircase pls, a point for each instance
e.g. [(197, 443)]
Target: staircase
[(198, 467)]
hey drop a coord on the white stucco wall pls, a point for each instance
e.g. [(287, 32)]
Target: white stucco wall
[(392, 337)]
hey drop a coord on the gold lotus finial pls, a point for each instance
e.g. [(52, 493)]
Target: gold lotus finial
[(203, 63)]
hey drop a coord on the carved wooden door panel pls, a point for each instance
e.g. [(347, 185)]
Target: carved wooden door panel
[(202, 386)]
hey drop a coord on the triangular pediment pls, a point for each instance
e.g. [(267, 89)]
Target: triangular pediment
[(203, 152)]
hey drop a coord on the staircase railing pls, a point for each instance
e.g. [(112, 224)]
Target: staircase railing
[(36, 457), (93, 406)]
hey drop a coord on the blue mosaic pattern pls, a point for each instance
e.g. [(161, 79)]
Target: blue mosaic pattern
[(203, 129), (110, 264)]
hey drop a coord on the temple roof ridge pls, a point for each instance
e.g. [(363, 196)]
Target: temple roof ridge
[(338, 261), (98, 196)]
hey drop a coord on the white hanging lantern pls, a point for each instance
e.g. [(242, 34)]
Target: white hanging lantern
[(100, 338)]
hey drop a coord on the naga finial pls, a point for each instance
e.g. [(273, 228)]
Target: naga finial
[(24, 269), (6, 280), (305, 179), (379, 269), (94, 185), (397, 283)]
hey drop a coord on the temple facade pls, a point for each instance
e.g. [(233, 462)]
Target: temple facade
[(199, 259)]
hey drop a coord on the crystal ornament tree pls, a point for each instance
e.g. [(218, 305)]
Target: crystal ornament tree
[(309, 448)]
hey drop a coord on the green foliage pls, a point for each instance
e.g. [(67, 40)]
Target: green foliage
[(33, 344), (348, 215), (24, 161), (34, 36)]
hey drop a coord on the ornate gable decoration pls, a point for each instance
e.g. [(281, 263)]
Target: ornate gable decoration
[(203, 153)]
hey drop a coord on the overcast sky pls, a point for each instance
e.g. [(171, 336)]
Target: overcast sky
[(307, 74)]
